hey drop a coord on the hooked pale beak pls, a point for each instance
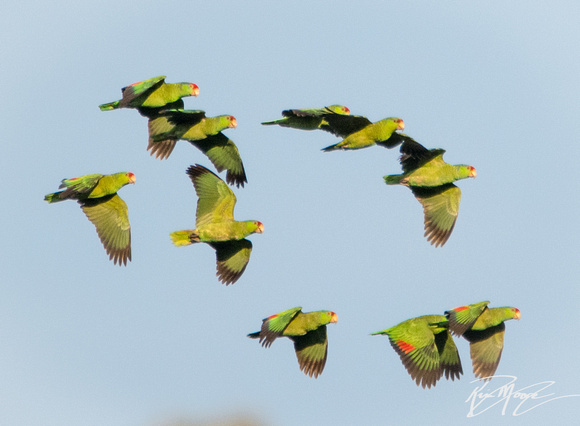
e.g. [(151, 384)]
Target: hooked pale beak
[(333, 317), (132, 178), (260, 228), (233, 122), (401, 125), (472, 172), (517, 315)]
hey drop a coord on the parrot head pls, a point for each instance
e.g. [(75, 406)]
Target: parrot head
[(400, 123), (131, 177), (194, 89), (259, 227)]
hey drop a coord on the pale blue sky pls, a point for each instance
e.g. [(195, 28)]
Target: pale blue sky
[(84, 342)]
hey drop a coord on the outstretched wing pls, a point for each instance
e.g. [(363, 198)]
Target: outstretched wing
[(152, 112), (232, 258), (216, 200), (440, 208), (135, 90), (344, 125), (311, 351), (224, 155), (448, 355), (274, 325), (110, 216), (77, 187), (462, 318), (414, 155), (486, 347), (396, 139)]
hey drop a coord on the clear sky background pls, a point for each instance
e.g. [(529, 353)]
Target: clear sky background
[(85, 342)]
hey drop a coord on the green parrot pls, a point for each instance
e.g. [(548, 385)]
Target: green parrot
[(152, 94), (97, 195), (426, 349), (215, 225), (359, 132), (308, 119), (308, 332), (167, 127), (431, 181), (484, 329)]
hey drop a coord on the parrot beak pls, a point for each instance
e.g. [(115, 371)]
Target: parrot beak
[(333, 317), (517, 315), (260, 228), (472, 172), (132, 178), (233, 122), (401, 125)]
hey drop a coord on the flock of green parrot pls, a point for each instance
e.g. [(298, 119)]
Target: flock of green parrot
[(424, 344)]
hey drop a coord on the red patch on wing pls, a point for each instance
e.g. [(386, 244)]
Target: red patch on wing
[(461, 308), (272, 316), (135, 84), (404, 346)]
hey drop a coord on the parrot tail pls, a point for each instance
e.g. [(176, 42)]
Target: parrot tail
[(392, 179), (330, 148), (270, 123), (184, 238), (255, 335), (54, 197), (110, 106)]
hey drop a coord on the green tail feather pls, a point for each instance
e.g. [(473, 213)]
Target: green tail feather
[(392, 179), (54, 197), (110, 106), (184, 238), (270, 123), (330, 148)]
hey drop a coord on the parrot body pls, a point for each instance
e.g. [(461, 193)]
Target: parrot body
[(308, 119), (358, 132), (215, 225), (152, 93), (97, 195), (308, 332), (169, 126), (431, 181), (426, 349), (484, 329)]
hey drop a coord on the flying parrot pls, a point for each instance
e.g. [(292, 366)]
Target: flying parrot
[(426, 349), (152, 94), (308, 332), (431, 181), (484, 329), (308, 119), (215, 225), (167, 127), (97, 195), (359, 132)]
